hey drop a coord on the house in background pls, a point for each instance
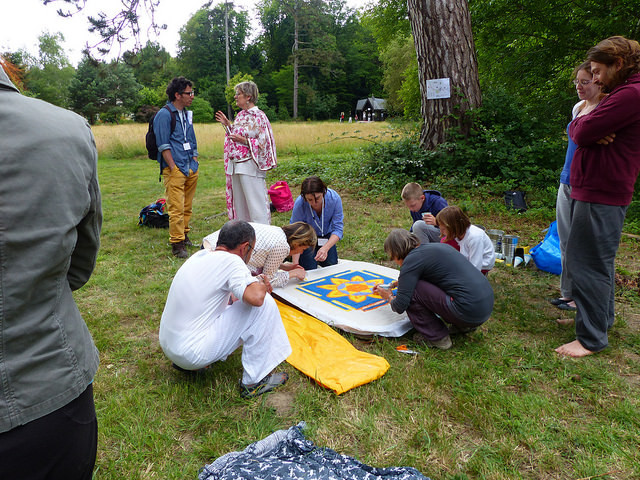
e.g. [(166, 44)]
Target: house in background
[(371, 109)]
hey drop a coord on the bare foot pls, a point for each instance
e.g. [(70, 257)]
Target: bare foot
[(565, 322), (573, 349)]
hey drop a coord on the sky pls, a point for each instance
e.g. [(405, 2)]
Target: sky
[(22, 22)]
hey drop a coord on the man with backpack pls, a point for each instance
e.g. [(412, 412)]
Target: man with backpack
[(178, 158)]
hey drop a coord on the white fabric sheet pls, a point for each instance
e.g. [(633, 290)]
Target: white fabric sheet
[(325, 295)]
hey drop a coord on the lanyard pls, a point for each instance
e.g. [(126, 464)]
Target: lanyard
[(183, 124), (321, 226)]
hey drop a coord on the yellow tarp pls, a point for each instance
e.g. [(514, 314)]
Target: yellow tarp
[(327, 357)]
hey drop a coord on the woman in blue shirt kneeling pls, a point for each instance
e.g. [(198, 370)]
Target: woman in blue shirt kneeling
[(320, 207)]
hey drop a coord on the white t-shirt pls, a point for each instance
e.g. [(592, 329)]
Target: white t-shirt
[(199, 294), (477, 247)]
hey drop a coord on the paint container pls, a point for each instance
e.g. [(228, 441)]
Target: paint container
[(496, 239), (509, 245)]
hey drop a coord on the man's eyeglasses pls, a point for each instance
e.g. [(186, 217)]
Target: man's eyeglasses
[(191, 94), (584, 83)]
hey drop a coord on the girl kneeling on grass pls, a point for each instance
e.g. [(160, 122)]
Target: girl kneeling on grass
[(439, 289), (474, 243)]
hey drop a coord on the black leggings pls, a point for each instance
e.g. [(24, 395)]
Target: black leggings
[(61, 445)]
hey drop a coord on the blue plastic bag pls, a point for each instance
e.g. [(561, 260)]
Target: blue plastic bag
[(546, 254)]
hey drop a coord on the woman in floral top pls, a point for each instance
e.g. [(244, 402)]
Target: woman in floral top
[(249, 151)]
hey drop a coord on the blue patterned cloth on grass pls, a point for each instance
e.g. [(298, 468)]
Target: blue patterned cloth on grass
[(287, 455)]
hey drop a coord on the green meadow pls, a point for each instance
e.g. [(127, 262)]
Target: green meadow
[(499, 405)]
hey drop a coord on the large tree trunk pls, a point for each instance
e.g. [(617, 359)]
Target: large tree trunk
[(445, 49)]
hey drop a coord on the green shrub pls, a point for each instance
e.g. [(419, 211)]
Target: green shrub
[(506, 144), (202, 111)]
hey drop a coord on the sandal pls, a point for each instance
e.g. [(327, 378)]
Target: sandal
[(268, 383)]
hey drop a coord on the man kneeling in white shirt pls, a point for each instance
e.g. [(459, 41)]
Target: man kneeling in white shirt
[(201, 325)]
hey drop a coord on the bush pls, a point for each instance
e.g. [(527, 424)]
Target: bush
[(202, 111), (506, 144)]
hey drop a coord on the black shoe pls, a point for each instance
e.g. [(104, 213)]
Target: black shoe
[(268, 383), (566, 307), (456, 330), (559, 301), (187, 242), (179, 250)]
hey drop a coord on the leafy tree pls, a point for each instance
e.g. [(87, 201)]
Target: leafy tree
[(152, 65), (108, 91), (49, 76), (387, 20), (400, 65), (531, 48), (14, 66), (201, 48), (120, 90), (85, 94)]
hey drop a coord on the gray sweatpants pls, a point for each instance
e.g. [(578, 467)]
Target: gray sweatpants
[(593, 241), (425, 232), (563, 222)]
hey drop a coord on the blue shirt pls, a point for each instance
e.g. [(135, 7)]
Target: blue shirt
[(330, 221), (182, 134), (433, 203)]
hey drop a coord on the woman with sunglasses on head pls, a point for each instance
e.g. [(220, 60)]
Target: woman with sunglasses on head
[(320, 207), (249, 152), (273, 245), (590, 95)]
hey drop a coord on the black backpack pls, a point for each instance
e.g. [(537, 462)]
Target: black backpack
[(153, 215), (150, 138)]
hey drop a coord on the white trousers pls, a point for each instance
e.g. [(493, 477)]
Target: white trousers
[(260, 332), (250, 198)]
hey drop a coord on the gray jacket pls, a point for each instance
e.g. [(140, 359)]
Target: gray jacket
[(50, 220)]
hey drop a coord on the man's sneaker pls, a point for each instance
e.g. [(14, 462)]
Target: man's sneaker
[(442, 344), (187, 242), (456, 330), (178, 250), (268, 383)]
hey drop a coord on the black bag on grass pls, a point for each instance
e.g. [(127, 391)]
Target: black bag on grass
[(515, 200), (153, 215)]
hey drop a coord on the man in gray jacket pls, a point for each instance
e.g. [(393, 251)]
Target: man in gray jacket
[(50, 221)]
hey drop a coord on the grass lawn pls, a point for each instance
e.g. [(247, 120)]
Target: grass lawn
[(499, 405)]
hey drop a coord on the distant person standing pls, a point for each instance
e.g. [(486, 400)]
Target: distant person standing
[(603, 174), (50, 221), (249, 152), (178, 157)]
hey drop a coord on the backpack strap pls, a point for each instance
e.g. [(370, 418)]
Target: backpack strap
[(173, 127)]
